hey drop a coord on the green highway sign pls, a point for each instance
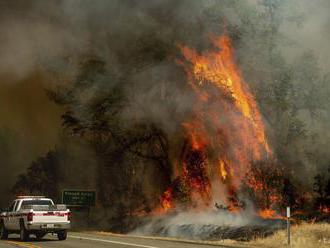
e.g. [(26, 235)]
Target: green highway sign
[(81, 198)]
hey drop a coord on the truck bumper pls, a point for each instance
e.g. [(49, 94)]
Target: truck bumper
[(48, 227)]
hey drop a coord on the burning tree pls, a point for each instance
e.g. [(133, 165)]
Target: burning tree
[(225, 133)]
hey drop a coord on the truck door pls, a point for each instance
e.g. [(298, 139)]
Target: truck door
[(16, 219), (9, 217)]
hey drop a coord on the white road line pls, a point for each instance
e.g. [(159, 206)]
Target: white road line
[(113, 242)]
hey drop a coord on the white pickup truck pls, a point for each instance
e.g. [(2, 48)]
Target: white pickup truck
[(35, 215)]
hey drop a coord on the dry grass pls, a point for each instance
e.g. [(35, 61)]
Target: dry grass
[(305, 235)]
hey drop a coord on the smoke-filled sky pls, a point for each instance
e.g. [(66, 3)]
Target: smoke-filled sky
[(36, 37)]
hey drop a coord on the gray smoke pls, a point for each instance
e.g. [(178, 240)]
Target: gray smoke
[(209, 225), (40, 37)]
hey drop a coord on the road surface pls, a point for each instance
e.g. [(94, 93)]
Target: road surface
[(88, 240)]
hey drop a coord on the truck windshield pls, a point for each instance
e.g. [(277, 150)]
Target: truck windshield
[(37, 202)]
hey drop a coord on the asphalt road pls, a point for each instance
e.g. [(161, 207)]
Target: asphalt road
[(88, 240)]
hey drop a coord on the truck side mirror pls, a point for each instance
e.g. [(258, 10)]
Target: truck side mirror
[(3, 210)]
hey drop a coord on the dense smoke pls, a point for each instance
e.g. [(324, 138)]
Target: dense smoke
[(134, 46), (30, 126)]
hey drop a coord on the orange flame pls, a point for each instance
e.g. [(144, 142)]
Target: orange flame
[(324, 209), (219, 69), (223, 171), (269, 214), (167, 199)]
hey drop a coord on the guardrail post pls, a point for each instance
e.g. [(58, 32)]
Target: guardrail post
[(288, 225)]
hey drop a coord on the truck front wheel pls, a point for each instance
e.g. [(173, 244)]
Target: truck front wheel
[(3, 231), (23, 234), (40, 235), (62, 235)]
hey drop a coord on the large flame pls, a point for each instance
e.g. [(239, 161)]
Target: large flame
[(225, 132)]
